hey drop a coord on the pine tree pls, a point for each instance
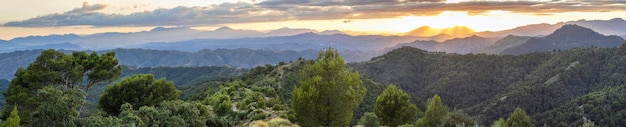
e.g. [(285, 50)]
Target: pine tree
[(394, 107), (13, 120), (328, 92), (519, 118), (435, 112)]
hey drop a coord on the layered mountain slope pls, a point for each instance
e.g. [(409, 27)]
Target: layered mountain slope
[(458, 45), (566, 37), (491, 86), (504, 43)]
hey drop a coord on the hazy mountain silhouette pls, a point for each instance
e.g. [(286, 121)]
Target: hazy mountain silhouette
[(614, 26), (566, 37), (505, 43), (458, 45), (298, 42), (111, 40)]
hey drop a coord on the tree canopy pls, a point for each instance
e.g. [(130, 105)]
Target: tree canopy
[(137, 90), (66, 71), (328, 93), (394, 108), (435, 112)]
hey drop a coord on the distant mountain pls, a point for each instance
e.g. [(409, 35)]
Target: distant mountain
[(614, 26), (45, 40), (111, 40), (242, 58), (298, 42), (528, 30), (458, 45), (185, 76), (505, 43), (289, 32), (566, 37), (427, 31)]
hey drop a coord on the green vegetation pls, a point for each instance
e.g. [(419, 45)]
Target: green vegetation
[(579, 87), (369, 120), (435, 112), (394, 108), (13, 120), (328, 92), (137, 90), (491, 86), (66, 71), (519, 118)]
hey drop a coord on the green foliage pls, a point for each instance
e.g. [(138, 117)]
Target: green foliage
[(138, 90), (57, 107), (369, 120), (456, 119), (394, 108), (101, 119), (435, 112), (13, 120), (167, 113), (185, 76), (499, 123), (602, 107), (78, 70), (328, 92), (221, 104), (519, 118)]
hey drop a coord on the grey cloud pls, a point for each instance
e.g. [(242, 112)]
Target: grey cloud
[(86, 8), (282, 10)]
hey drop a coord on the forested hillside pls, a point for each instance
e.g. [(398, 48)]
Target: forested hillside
[(490, 86)]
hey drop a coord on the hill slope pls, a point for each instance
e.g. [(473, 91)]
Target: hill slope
[(490, 86), (566, 37)]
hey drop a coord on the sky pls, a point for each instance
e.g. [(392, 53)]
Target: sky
[(19, 18)]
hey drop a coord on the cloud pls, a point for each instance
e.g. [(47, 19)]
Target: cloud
[(283, 10), (88, 8)]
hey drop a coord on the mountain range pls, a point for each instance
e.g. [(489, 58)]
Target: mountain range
[(552, 87), (280, 39), (566, 37)]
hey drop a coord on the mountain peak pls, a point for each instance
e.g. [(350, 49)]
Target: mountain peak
[(225, 28), (575, 31)]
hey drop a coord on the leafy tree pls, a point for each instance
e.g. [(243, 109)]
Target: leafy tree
[(394, 107), (435, 112), (52, 67), (457, 118), (519, 118), (498, 123), (137, 90), (328, 92), (221, 103), (369, 119), (57, 107), (13, 120)]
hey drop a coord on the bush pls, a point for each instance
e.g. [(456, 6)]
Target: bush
[(277, 122), (258, 124)]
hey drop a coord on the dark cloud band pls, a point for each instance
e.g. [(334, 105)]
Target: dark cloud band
[(283, 10)]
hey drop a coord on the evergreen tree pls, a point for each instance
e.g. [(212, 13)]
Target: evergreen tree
[(519, 118), (499, 123), (58, 108), (369, 119), (13, 120), (328, 92), (394, 107), (52, 67), (435, 112), (137, 90)]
